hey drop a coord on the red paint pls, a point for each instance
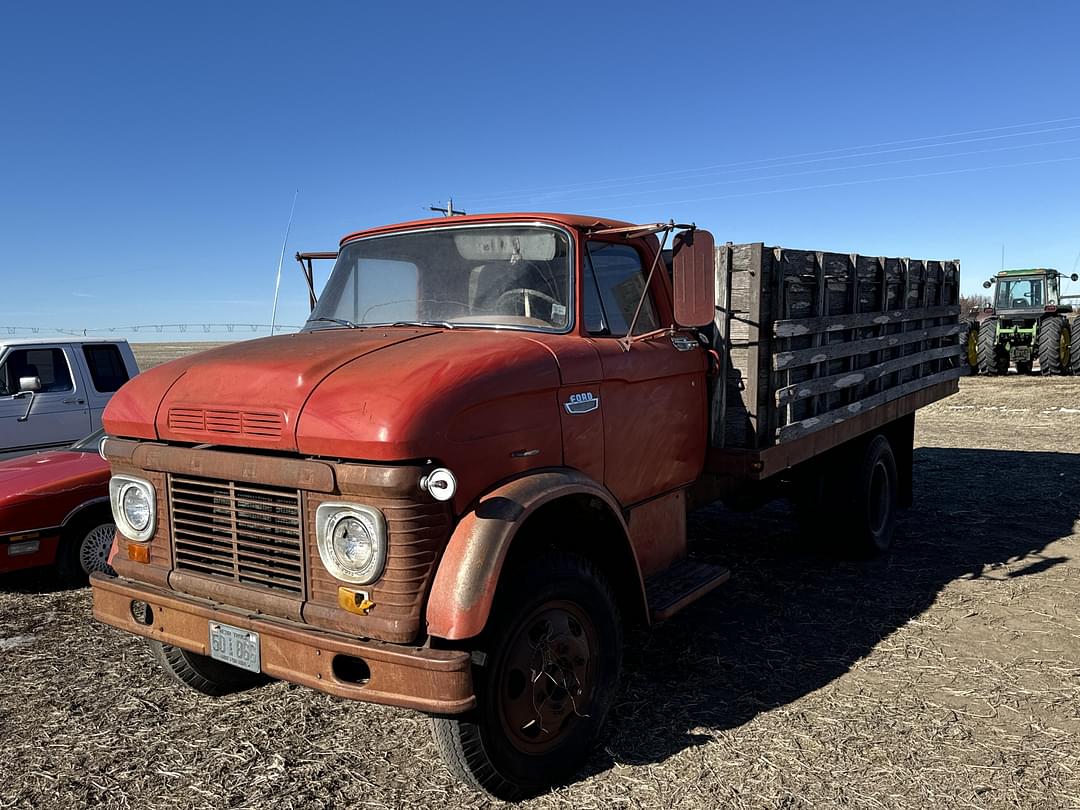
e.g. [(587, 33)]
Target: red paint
[(39, 492)]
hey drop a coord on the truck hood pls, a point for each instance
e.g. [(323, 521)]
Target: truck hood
[(374, 393)]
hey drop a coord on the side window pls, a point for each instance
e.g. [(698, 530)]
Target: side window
[(49, 365), (107, 368), (614, 281)]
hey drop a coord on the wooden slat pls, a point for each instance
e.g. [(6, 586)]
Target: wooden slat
[(838, 415), (803, 357), (808, 326), (848, 379)]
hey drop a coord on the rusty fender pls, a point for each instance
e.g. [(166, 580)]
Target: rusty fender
[(464, 585)]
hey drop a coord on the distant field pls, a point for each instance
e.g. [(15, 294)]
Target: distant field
[(154, 354)]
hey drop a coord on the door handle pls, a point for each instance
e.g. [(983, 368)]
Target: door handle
[(74, 401)]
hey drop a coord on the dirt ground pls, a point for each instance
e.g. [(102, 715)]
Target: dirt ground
[(945, 674)]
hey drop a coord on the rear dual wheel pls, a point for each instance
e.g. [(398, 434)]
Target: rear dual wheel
[(850, 500), (550, 667)]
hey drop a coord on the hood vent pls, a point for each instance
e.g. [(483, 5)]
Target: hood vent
[(227, 422)]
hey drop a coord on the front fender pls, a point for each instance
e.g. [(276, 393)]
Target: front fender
[(464, 586)]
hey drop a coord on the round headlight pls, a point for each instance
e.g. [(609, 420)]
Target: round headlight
[(136, 507), (352, 541), (353, 544)]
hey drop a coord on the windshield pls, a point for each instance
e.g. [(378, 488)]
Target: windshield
[(515, 276), (90, 443), (1020, 293)]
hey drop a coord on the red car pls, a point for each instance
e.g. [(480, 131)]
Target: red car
[(54, 510)]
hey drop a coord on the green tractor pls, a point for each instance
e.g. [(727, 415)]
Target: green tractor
[(1029, 321)]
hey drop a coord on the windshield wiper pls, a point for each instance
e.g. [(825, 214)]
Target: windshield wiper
[(443, 324), (338, 321)]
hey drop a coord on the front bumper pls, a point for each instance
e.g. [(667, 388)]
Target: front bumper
[(435, 681)]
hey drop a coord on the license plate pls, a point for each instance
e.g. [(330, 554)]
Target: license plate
[(232, 645), (1021, 354)]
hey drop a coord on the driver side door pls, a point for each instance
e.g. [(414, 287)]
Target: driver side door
[(54, 416)]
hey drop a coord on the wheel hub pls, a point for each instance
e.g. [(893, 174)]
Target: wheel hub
[(548, 676)]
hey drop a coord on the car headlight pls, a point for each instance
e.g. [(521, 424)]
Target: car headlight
[(133, 506), (352, 541)]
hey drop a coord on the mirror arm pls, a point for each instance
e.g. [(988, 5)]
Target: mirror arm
[(629, 338), (29, 405)]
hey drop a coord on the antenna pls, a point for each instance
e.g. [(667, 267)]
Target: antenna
[(281, 258), (449, 211)]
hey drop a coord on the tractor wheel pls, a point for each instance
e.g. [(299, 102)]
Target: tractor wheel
[(1055, 345), (987, 348), (972, 344), (1074, 349)]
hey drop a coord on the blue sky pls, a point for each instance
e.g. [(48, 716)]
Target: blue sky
[(149, 154)]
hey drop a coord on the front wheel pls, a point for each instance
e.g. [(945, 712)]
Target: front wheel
[(550, 667), (203, 673)]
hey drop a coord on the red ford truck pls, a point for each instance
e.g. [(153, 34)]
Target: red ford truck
[(467, 476)]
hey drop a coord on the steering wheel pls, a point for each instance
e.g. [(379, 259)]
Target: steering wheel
[(526, 293)]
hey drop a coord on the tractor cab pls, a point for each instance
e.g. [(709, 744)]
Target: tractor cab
[(1021, 292)]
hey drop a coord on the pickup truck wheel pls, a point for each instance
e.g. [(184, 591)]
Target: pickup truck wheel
[(84, 548), (202, 673), (551, 658)]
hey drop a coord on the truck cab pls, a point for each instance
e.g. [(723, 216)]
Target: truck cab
[(54, 391), (470, 472)]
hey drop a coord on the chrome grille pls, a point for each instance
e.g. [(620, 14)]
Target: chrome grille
[(230, 530)]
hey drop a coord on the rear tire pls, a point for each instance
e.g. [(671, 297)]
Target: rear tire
[(851, 502), (202, 673), (551, 657), (971, 343), (1055, 345), (1074, 348), (988, 357)]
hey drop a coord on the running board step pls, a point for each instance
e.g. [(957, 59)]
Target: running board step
[(682, 584)]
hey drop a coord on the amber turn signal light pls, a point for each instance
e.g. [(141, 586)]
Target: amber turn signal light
[(354, 601), (140, 554)]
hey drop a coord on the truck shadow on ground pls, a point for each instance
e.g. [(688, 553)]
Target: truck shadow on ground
[(791, 620)]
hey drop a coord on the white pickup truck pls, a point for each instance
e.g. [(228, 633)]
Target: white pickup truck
[(52, 391)]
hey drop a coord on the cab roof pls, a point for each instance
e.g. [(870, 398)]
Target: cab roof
[(54, 341), (1028, 271), (576, 221)]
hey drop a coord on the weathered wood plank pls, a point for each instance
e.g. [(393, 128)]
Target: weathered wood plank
[(834, 323), (803, 357), (848, 379), (806, 426)]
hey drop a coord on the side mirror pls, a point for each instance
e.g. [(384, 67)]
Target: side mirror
[(988, 284), (1074, 277), (694, 278), (30, 384)]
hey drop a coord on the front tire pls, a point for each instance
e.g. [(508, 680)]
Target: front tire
[(551, 659), (202, 673), (1074, 348)]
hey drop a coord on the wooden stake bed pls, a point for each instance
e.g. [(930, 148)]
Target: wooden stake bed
[(817, 348)]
